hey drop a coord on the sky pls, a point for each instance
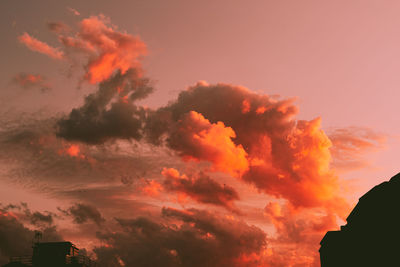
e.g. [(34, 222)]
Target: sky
[(154, 133)]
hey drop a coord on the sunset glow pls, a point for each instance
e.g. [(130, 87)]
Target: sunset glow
[(187, 134)]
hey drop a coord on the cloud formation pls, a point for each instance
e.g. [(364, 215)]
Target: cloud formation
[(287, 158), (218, 130)]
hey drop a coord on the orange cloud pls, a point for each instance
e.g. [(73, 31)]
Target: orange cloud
[(281, 156), (152, 188), (109, 49), (300, 172), (196, 138), (39, 46)]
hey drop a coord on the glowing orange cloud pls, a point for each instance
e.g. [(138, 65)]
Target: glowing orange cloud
[(110, 50), (258, 136), (302, 172), (197, 139), (39, 46)]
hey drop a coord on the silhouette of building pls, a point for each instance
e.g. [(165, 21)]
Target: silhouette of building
[(371, 236), (52, 254)]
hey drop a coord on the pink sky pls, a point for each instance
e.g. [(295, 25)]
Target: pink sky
[(338, 61)]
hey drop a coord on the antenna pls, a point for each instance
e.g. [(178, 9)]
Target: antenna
[(38, 237)]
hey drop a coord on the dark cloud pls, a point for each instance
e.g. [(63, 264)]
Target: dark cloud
[(58, 27), (109, 113), (201, 188), (38, 218), (199, 239), (82, 213), (34, 155)]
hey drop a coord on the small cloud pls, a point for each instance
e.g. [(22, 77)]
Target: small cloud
[(73, 11), (38, 46), (31, 81), (58, 27)]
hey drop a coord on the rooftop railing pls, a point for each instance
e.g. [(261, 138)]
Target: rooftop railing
[(22, 259)]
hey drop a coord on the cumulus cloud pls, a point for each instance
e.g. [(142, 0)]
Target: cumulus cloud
[(38, 46), (200, 239), (287, 158), (201, 188)]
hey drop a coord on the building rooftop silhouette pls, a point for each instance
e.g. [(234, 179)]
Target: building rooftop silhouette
[(52, 254), (371, 236)]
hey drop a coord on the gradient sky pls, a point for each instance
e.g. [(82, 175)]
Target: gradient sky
[(338, 60)]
